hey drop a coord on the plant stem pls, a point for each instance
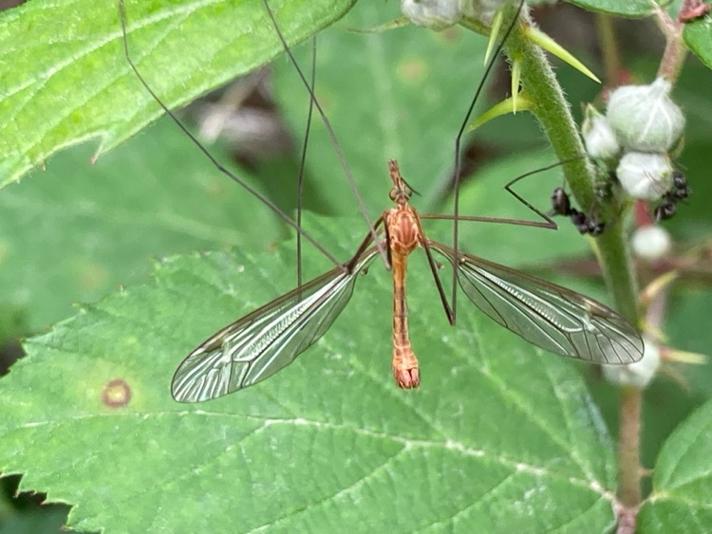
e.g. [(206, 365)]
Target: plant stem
[(617, 264), (554, 115), (629, 447), (629, 468), (675, 51)]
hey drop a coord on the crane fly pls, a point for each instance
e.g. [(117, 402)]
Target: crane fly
[(547, 315), (265, 341)]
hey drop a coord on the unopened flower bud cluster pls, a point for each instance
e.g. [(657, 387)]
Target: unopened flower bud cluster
[(441, 14), (651, 242), (642, 124), (433, 14), (483, 10)]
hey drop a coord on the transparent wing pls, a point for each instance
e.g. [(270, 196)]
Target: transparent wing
[(260, 344), (549, 316)]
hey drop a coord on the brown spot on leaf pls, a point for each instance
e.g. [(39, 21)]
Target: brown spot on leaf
[(116, 393), (92, 276), (412, 70)]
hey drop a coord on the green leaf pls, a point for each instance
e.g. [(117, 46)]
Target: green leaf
[(397, 99), (682, 482), (698, 37), (625, 8), (629, 8), (687, 329), (500, 436), (65, 79), (79, 230)]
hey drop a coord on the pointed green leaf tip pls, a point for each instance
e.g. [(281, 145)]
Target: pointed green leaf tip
[(44, 109), (538, 37), (494, 32), (516, 80), (519, 102)]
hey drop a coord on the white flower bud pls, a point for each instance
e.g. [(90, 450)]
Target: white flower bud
[(645, 176), (598, 136), (433, 14), (638, 374), (644, 117), (483, 10), (651, 242)]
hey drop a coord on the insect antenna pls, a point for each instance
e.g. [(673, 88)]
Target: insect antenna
[(341, 156), (219, 166), (411, 188), (458, 143)]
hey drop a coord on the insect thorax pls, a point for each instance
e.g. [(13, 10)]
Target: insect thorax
[(403, 229)]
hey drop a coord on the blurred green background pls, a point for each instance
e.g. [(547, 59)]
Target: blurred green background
[(76, 231)]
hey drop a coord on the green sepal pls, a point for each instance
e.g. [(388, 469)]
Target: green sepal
[(541, 39), (519, 102)]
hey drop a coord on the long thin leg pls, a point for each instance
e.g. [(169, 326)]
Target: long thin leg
[(349, 265), (434, 270), (219, 166), (330, 130), (548, 223), (458, 142), (388, 239), (481, 218), (302, 163)]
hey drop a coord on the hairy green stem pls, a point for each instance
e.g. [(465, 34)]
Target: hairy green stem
[(554, 115), (553, 112)]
